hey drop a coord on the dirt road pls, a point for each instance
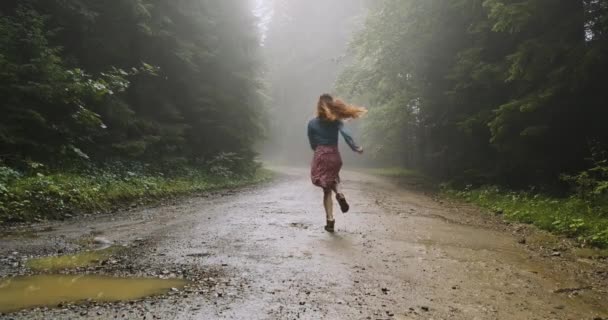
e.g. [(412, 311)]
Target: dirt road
[(398, 254)]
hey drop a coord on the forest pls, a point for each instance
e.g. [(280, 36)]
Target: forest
[(122, 103), (303, 159), (119, 96), (480, 93), (485, 91)]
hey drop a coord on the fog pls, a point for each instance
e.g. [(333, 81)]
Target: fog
[(305, 48), (131, 134)]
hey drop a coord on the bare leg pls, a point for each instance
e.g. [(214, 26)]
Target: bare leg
[(335, 188), (328, 204)]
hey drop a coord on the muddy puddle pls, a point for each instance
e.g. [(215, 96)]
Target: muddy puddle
[(51, 290)]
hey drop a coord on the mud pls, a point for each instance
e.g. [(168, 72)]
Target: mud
[(53, 290), (262, 253)]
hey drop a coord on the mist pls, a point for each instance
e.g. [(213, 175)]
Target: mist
[(305, 48), (166, 159)]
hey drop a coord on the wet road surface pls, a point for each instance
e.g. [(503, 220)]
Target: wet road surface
[(398, 254)]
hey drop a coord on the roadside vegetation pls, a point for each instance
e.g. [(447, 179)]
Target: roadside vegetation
[(41, 195), (574, 217), (581, 214)]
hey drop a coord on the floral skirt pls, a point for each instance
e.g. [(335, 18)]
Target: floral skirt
[(325, 168)]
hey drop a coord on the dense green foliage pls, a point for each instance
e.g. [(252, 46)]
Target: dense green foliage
[(505, 92), (145, 80), (168, 89)]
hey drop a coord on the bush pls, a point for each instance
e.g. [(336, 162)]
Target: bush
[(229, 165), (592, 183), (7, 175)]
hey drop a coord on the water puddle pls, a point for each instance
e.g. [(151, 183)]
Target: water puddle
[(83, 259), (50, 290)]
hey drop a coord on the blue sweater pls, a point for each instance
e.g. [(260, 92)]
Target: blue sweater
[(325, 133)]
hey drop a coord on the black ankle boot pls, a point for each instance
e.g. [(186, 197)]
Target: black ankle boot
[(330, 226), (342, 202)]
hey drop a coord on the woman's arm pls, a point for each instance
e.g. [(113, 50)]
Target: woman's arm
[(313, 144), (349, 139)]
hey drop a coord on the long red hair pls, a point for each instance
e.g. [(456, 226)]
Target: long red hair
[(332, 109)]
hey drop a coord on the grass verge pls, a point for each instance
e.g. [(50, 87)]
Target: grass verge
[(63, 195), (573, 217)]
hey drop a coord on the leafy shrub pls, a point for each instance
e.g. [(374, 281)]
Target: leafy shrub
[(7, 175), (223, 164), (230, 164), (592, 183), (41, 93)]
